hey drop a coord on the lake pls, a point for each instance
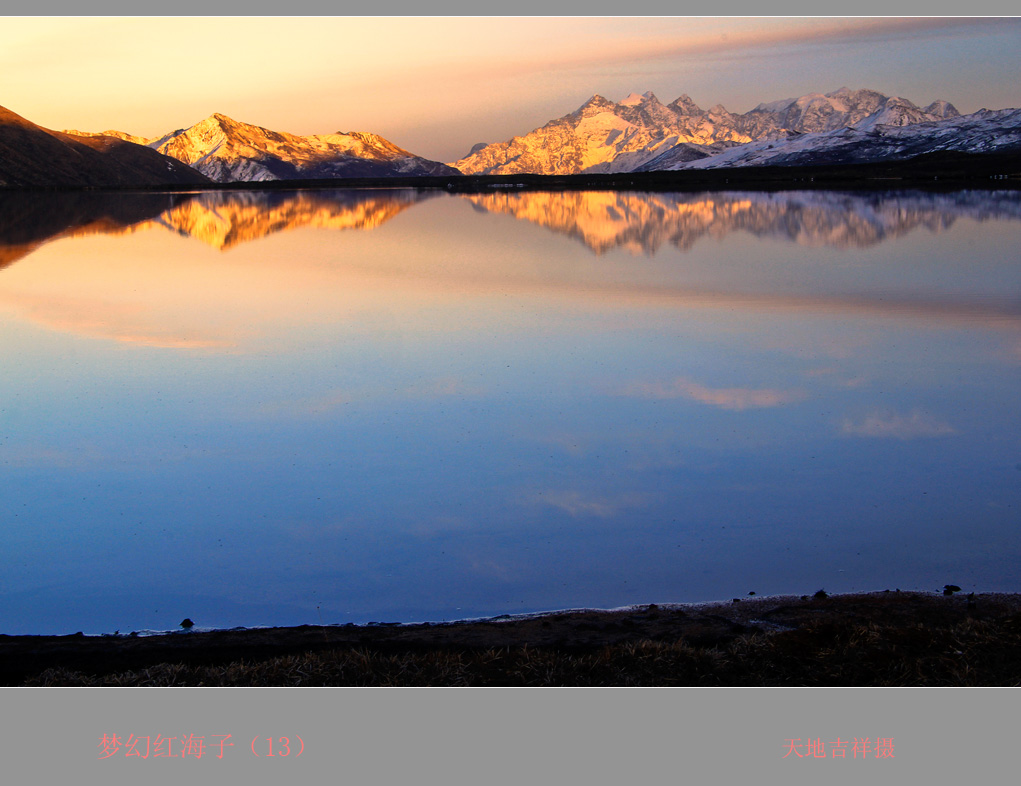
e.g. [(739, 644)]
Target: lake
[(278, 408)]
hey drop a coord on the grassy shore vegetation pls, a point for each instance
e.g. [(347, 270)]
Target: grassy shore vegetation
[(880, 639)]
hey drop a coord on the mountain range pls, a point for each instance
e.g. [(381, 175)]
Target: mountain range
[(982, 132), (642, 134), (638, 134), (226, 150)]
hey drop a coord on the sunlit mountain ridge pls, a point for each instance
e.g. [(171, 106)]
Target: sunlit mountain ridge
[(226, 150), (637, 134), (602, 136)]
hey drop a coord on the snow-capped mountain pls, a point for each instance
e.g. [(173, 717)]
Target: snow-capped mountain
[(603, 136), (599, 132), (984, 131), (638, 134), (226, 150), (817, 112)]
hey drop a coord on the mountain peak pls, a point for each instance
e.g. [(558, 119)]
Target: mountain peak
[(685, 106), (220, 119), (636, 100), (941, 108), (596, 101), (227, 150)]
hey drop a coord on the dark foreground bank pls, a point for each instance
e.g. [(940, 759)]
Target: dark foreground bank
[(940, 171), (887, 638)]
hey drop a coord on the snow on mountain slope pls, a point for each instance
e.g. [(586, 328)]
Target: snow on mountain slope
[(603, 136), (227, 150), (982, 132), (595, 135), (633, 160)]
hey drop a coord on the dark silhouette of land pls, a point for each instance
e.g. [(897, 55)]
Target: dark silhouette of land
[(35, 157), (943, 171), (883, 638)]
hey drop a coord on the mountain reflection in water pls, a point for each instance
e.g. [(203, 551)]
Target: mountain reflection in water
[(645, 222), (641, 223), (624, 398), (224, 220), (30, 219), (221, 219)]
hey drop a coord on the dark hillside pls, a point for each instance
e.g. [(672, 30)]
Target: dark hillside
[(36, 157)]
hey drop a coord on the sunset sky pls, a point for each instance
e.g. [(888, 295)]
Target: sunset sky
[(436, 86)]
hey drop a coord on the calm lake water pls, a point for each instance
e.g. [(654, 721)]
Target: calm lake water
[(270, 408)]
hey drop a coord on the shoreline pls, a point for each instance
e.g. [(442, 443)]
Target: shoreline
[(875, 638), (721, 606), (941, 171)]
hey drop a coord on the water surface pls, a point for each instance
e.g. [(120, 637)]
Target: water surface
[(269, 408)]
